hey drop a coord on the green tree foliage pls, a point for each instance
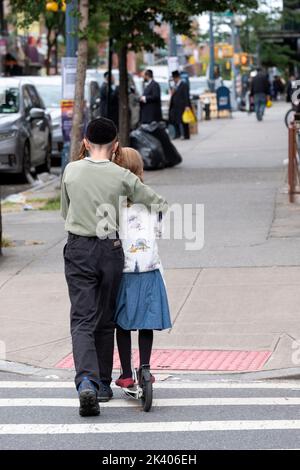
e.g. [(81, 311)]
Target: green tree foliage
[(132, 27), (270, 52)]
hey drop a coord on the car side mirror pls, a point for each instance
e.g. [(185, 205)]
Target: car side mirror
[(36, 113)]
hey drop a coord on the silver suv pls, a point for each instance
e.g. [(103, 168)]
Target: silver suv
[(25, 128)]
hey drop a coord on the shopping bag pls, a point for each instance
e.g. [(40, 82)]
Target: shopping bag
[(269, 103), (188, 117)]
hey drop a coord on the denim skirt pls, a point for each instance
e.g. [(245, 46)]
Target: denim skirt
[(142, 302)]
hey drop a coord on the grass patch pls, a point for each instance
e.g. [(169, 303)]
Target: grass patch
[(6, 243), (52, 204)]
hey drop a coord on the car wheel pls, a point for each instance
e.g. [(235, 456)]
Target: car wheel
[(46, 166), (26, 165)]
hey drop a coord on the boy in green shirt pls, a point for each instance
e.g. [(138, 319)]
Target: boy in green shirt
[(94, 260)]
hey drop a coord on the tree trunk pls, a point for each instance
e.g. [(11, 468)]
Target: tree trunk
[(124, 123), (56, 54), (78, 113), (49, 50)]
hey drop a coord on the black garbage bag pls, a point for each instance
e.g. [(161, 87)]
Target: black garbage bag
[(158, 130), (150, 149)]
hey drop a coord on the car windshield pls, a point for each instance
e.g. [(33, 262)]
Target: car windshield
[(164, 87), (51, 94), (197, 85), (9, 99)]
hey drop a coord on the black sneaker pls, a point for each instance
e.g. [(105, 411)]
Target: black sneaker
[(87, 393), (105, 392)]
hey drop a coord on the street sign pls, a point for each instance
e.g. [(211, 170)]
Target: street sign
[(66, 118), (69, 69), (173, 64)]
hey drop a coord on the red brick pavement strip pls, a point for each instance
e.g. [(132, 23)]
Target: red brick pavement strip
[(194, 360)]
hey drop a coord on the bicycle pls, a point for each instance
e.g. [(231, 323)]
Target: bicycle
[(143, 390), (289, 117)]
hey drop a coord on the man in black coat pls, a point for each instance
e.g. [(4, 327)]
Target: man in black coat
[(180, 101), (150, 101), (260, 90), (113, 112)]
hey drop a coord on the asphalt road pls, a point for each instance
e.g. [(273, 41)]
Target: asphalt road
[(186, 416), (10, 184)]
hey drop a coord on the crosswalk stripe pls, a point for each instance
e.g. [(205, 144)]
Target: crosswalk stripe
[(164, 402), (165, 385), (179, 426)]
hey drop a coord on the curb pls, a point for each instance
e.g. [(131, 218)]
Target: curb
[(292, 373)]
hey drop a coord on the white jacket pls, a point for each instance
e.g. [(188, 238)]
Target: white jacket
[(139, 229)]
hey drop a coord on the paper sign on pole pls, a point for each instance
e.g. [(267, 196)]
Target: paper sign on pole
[(173, 64), (69, 70)]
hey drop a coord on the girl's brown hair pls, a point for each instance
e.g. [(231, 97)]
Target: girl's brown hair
[(130, 159)]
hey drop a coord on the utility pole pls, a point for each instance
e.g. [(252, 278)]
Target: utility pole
[(71, 29), (69, 77), (211, 53), (172, 42), (2, 37), (109, 81), (233, 68)]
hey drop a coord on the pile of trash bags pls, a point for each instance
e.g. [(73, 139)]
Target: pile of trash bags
[(153, 143)]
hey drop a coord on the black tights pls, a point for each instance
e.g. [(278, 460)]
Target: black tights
[(124, 346)]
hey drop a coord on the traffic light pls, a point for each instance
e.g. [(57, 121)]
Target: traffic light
[(244, 59), (52, 6)]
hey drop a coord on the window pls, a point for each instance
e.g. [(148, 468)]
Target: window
[(27, 100), (36, 102), (9, 99)]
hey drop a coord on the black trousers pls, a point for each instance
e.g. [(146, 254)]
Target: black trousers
[(182, 130), (93, 270)]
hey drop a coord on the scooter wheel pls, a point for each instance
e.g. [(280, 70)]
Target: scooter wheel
[(147, 395)]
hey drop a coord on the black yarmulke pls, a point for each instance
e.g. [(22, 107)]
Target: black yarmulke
[(101, 131)]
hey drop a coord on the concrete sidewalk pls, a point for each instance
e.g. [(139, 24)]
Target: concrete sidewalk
[(241, 292)]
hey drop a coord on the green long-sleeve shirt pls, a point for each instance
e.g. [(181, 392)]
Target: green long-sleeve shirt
[(90, 195)]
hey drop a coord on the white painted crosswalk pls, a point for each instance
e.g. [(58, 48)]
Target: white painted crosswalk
[(164, 402), (182, 426), (49, 408)]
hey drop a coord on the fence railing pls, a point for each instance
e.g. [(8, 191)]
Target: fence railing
[(293, 170)]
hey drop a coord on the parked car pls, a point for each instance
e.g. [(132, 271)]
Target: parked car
[(50, 89), (25, 128), (198, 85)]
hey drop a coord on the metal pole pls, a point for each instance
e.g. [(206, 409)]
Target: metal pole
[(173, 42), (233, 41), (292, 160), (109, 81), (211, 52), (2, 34), (71, 29), (2, 22)]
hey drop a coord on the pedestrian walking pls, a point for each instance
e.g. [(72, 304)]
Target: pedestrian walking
[(260, 90), (94, 258), (109, 110), (291, 86), (180, 101), (142, 302), (150, 101)]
